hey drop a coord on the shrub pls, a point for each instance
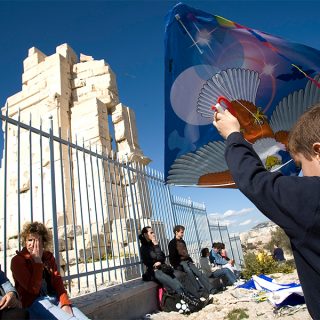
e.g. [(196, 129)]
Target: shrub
[(238, 314), (263, 264)]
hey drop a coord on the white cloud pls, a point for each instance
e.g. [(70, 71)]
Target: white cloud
[(229, 213), (242, 212), (228, 222), (215, 218), (244, 223)]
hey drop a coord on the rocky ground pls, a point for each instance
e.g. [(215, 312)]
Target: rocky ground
[(237, 298)]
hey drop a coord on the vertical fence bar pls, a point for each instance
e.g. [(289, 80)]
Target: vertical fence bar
[(41, 172), (211, 239), (102, 213), (96, 215), (30, 168), (119, 212), (113, 213), (195, 225), (233, 256), (156, 199), (89, 216), (220, 232), (18, 182), (135, 223), (126, 212), (81, 216), (5, 191), (164, 215), (53, 196), (64, 207), (174, 214), (74, 219)]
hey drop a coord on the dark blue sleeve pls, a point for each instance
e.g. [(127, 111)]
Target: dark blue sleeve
[(3, 278), (289, 201)]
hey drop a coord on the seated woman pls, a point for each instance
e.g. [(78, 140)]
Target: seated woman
[(10, 306), (157, 270), (37, 279), (206, 260), (231, 263)]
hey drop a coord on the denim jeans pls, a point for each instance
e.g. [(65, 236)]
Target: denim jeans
[(168, 282), (228, 273), (193, 273), (47, 308)]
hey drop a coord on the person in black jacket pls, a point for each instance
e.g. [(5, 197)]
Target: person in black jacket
[(292, 202), (181, 261), (278, 254), (157, 270)]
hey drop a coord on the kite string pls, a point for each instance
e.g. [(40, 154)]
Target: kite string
[(307, 76)]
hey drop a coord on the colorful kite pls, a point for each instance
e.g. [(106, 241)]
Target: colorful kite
[(267, 82)]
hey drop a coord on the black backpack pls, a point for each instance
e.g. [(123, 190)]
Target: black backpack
[(173, 302)]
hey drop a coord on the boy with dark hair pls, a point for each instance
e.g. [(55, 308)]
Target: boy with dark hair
[(291, 202), (180, 260)]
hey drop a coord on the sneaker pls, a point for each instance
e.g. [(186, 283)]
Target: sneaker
[(208, 301), (238, 283)]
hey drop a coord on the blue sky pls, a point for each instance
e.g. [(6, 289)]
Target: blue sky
[(129, 35)]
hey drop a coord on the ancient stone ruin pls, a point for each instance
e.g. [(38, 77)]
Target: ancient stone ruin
[(80, 99)]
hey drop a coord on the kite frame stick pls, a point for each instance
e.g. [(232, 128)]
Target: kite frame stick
[(177, 16)]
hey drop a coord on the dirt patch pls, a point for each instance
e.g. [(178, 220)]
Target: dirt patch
[(237, 298)]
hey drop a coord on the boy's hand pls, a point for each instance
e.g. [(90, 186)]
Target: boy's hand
[(226, 123)]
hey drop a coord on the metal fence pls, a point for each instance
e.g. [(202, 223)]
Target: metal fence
[(94, 204), (232, 243)]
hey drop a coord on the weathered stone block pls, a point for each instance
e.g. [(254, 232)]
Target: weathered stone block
[(35, 56), (66, 51), (70, 231)]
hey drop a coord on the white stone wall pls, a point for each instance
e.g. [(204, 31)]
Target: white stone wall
[(78, 97)]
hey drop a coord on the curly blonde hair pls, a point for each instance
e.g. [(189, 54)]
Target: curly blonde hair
[(36, 228)]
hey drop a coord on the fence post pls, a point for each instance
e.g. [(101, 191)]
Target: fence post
[(209, 228), (195, 225), (5, 191), (127, 165), (230, 243), (220, 232), (173, 209), (30, 168), (53, 195), (240, 260)]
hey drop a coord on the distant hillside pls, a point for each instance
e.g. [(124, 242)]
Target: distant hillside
[(265, 224), (256, 238)]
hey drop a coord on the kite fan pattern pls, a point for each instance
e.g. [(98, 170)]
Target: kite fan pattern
[(269, 82)]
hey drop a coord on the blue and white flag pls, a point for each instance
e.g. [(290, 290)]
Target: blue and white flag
[(278, 294)]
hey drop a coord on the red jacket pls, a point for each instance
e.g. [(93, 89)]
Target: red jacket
[(28, 277)]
